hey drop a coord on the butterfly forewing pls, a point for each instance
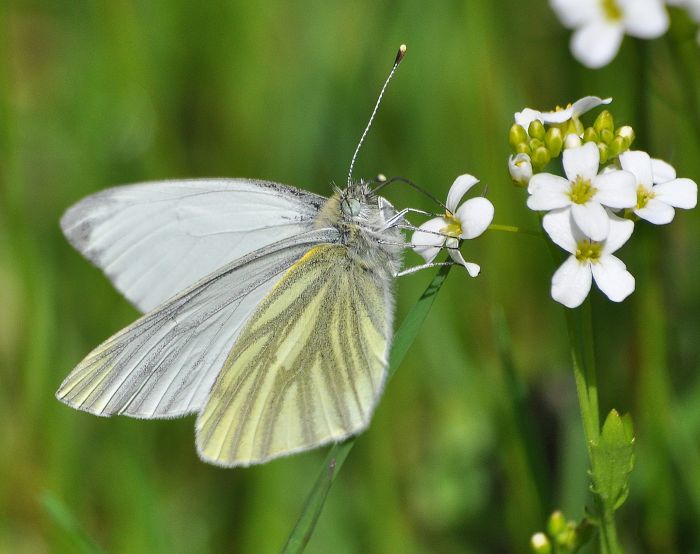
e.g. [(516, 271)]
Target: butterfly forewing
[(165, 363), (307, 369), (153, 240)]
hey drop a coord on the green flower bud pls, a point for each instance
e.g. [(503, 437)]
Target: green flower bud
[(568, 539), (554, 140), (604, 152), (606, 136), (604, 122), (517, 135), (539, 544), (522, 148), (536, 129), (627, 133), (540, 157), (534, 144), (556, 523), (617, 146), (590, 135)]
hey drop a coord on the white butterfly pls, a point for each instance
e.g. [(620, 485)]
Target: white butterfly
[(269, 310)]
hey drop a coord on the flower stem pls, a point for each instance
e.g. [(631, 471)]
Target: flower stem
[(513, 229), (579, 323), (686, 68), (641, 96), (580, 331)]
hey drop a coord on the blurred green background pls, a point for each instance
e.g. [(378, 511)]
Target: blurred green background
[(94, 94)]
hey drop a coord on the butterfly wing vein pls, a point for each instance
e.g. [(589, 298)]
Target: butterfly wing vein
[(307, 369), (164, 364)]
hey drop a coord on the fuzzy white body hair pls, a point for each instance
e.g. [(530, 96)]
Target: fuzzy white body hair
[(360, 217)]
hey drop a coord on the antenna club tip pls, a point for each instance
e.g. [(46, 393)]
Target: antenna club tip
[(400, 54)]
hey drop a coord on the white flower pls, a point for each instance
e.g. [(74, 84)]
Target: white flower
[(584, 191), (559, 115), (520, 167), (589, 260), (600, 25), (658, 190), (467, 221)]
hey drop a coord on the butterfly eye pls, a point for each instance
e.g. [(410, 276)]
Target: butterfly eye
[(351, 207)]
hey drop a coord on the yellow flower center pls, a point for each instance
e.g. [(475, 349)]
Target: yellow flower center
[(453, 227), (587, 250), (611, 10), (643, 196), (582, 190)]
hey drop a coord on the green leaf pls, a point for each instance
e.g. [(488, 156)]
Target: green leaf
[(612, 459), (407, 333)]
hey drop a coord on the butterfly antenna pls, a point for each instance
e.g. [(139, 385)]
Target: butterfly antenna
[(399, 56)]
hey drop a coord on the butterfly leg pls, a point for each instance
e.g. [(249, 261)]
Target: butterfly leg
[(422, 266), (400, 215)]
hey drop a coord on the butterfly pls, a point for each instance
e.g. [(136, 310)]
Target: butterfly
[(268, 309)]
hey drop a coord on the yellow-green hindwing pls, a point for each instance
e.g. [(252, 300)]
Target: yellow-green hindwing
[(307, 369)]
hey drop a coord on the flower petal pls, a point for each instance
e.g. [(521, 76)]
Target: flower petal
[(527, 116), (612, 278), (581, 161), (428, 244), (616, 189), (548, 192), (679, 193), (638, 163), (657, 212), (458, 189), (574, 13), (662, 171), (557, 116), (592, 219), (587, 103), (620, 232), (571, 283), (472, 268), (557, 224), (596, 44), (644, 18), (578, 108), (475, 215)]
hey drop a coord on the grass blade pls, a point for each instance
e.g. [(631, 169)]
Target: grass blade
[(61, 515)]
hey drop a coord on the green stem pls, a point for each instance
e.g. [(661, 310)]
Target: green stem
[(686, 69), (609, 543), (513, 229), (641, 97), (580, 331), (579, 323), (407, 333)]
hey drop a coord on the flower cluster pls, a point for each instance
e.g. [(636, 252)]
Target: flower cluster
[(465, 221), (538, 137), (591, 211), (600, 25)]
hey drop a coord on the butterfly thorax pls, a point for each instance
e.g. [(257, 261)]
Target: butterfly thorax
[(361, 219)]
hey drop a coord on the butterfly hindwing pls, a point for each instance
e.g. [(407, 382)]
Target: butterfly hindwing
[(307, 369), (165, 363)]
